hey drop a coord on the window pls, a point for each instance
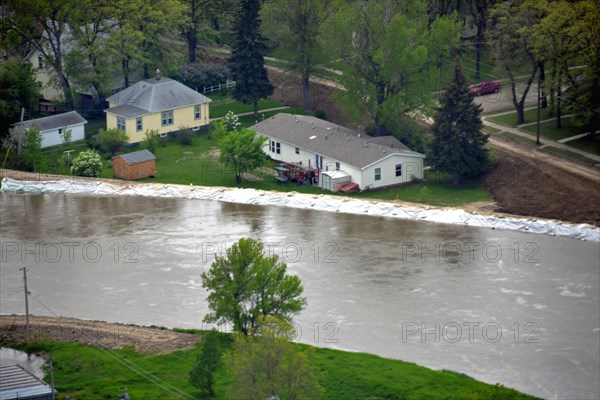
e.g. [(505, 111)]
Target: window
[(40, 62), (337, 166), (377, 174), (197, 114), (275, 147), (60, 131), (138, 124), (398, 169), (297, 150), (166, 118), (121, 123)]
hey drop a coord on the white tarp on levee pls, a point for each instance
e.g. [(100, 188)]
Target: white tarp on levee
[(312, 202)]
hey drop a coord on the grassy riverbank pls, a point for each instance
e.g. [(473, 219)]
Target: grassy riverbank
[(85, 372)]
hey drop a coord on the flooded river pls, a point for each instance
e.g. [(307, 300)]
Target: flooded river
[(502, 306)]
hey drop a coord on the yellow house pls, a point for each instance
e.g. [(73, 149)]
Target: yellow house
[(160, 104)]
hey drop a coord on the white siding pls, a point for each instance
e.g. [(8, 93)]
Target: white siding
[(410, 166), (53, 138)]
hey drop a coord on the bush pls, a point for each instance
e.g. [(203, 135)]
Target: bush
[(198, 75), (320, 113), (111, 140), (186, 135), (151, 141), (87, 163)]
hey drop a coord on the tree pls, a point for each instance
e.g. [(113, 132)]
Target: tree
[(584, 96), (87, 163), (458, 146), (268, 365), (242, 151), (32, 151), (479, 11), (112, 139), (247, 62), (246, 286), (43, 24), (294, 27), (207, 364), (511, 41), (389, 53), (17, 90)]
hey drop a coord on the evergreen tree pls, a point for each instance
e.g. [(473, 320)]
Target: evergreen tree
[(459, 144), (207, 363), (247, 62)]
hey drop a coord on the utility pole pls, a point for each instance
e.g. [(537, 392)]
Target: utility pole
[(52, 377), (537, 136), (26, 302)]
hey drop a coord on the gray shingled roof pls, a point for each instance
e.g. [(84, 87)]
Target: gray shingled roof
[(126, 111), (155, 95), (331, 140), (137, 156), (55, 121)]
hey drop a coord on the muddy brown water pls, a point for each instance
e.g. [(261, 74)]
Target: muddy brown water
[(515, 308)]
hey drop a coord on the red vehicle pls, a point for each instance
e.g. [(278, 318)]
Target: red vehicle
[(485, 88)]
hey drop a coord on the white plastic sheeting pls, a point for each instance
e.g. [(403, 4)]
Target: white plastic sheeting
[(313, 202)]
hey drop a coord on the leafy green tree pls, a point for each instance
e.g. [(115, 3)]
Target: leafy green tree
[(111, 140), (87, 163), (584, 96), (242, 151), (246, 286), (479, 11), (17, 90), (231, 122), (512, 42), (268, 365), (294, 27), (390, 54), (247, 62), (458, 146), (32, 151), (207, 364), (43, 24)]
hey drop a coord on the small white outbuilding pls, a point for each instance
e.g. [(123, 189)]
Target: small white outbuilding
[(54, 127)]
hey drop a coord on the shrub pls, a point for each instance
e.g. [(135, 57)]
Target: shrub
[(112, 139), (231, 122), (198, 75), (186, 135), (87, 163), (320, 113), (151, 141)]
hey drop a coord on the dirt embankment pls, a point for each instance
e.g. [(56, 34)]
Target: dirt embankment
[(94, 333)]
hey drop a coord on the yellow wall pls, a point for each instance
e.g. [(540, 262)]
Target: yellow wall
[(182, 117), (49, 89)]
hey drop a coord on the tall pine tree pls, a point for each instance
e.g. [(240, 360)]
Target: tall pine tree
[(459, 144), (247, 62)]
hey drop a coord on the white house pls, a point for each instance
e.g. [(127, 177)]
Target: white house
[(53, 128), (371, 162)]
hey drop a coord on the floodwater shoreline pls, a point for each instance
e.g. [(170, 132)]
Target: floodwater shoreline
[(329, 203)]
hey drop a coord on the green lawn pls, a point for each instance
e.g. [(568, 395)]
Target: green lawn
[(586, 143), (219, 110), (549, 130), (89, 373), (530, 116)]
